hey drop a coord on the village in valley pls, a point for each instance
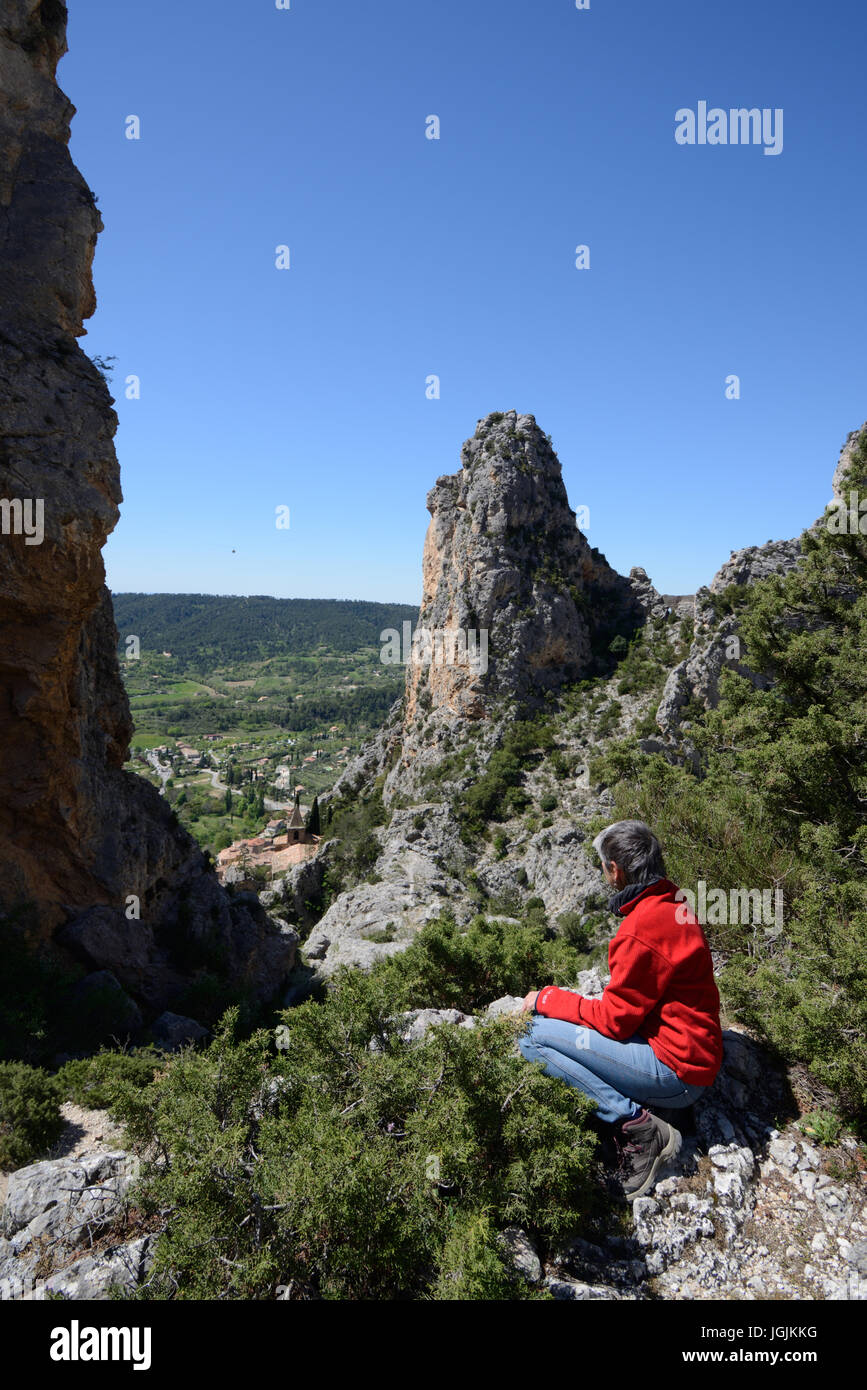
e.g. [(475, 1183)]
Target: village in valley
[(243, 733), (286, 839)]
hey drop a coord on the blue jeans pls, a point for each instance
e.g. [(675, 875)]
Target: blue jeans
[(615, 1074)]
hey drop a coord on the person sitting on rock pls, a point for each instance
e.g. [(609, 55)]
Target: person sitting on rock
[(654, 1037)]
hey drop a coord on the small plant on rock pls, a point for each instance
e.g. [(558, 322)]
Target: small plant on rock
[(822, 1126)]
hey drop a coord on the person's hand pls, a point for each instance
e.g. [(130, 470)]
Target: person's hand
[(530, 1000)]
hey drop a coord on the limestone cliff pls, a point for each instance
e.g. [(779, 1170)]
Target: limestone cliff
[(77, 833)]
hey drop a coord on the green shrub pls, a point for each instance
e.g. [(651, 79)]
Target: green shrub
[(30, 1118), (574, 930), (609, 718), (449, 768), (445, 967), (94, 1082), (382, 934), (471, 1264), (353, 825), (497, 794), (563, 764), (353, 1165), (505, 904), (644, 664), (647, 727), (548, 803), (823, 1126)]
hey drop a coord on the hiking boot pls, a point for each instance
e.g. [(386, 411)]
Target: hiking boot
[(645, 1143)]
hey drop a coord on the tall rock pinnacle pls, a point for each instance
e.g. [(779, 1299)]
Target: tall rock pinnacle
[(503, 556), (515, 601)]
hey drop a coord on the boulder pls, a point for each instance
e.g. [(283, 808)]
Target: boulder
[(171, 1031), (522, 1253), (108, 941), (417, 1023), (56, 1207), (415, 881)]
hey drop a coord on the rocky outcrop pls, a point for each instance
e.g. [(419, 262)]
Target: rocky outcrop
[(650, 604), (54, 1210), (78, 835), (515, 602), (416, 877), (681, 605), (558, 862), (537, 608), (296, 896), (716, 643), (844, 462)]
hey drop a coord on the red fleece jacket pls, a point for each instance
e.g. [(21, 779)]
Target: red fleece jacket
[(661, 987)]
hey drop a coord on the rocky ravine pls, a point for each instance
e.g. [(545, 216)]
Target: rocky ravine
[(78, 835), (750, 1209)]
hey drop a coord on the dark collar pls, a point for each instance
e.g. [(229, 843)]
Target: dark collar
[(632, 892)]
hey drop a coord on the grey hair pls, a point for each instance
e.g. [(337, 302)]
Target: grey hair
[(632, 845)]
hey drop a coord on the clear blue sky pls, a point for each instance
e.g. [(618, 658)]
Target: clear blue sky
[(306, 387)]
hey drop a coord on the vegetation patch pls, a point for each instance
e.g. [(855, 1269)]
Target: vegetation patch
[(349, 1164), (30, 1118), (780, 802)]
